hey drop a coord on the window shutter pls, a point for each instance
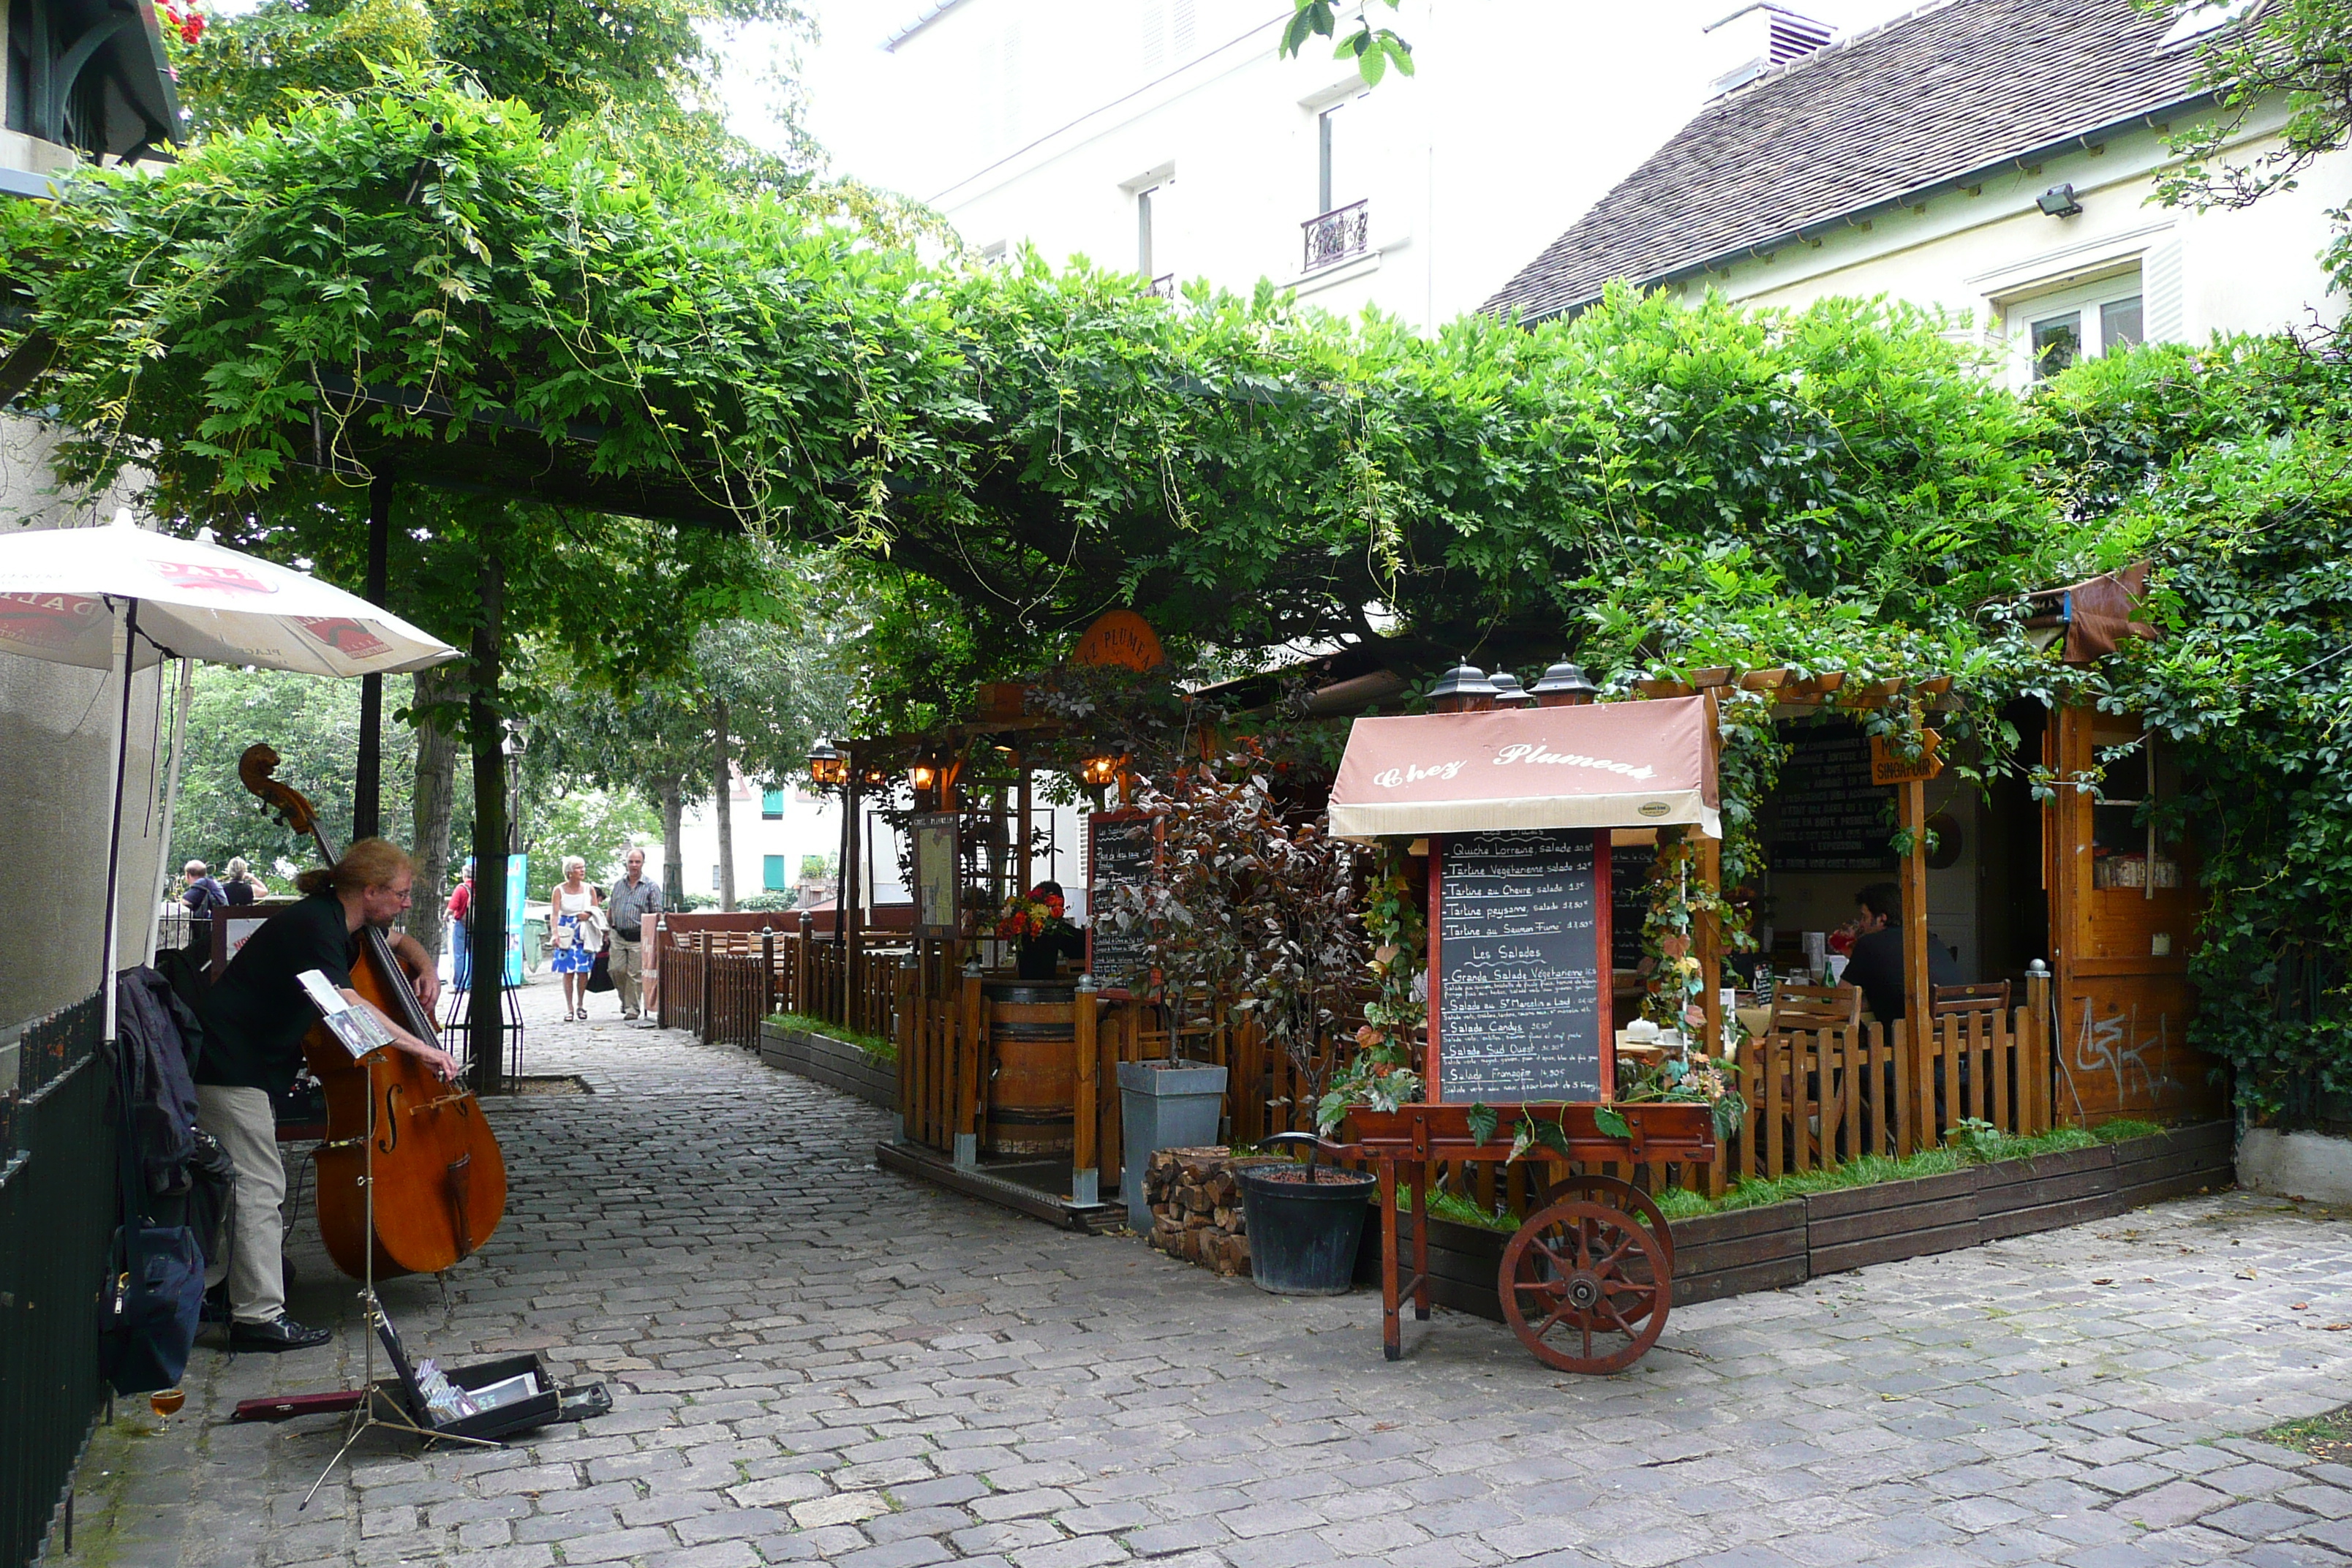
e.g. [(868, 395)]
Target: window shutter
[(2162, 294)]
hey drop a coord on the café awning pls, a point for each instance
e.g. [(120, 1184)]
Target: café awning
[(1610, 764)]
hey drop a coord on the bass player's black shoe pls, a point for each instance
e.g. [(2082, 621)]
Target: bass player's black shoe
[(281, 1333)]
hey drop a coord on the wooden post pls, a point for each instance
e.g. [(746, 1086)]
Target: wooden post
[(493, 835), (1085, 1171), (1020, 852), (903, 1013), (767, 978), (1911, 812), (709, 973), (846, 902), (661, 992), (970, 1097)]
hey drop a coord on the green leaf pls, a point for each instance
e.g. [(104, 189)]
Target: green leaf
[(1611, 1121), (1481, 1121), (1554, 1137)]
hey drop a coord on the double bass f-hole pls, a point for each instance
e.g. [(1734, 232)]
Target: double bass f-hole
[(391, 1125)]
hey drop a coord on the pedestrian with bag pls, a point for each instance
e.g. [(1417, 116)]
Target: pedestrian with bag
[(201, 895), (460, 910), (575, 934), (635, 905)]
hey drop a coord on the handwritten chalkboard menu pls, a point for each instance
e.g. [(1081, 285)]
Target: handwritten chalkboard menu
[(1629, 902), (1826, 814), (1116, 855), (938, 917), (1518, 997)]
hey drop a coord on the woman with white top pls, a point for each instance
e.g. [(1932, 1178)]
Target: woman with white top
[(573, 931)]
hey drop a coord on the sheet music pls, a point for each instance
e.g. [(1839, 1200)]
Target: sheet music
[(355, 1026)]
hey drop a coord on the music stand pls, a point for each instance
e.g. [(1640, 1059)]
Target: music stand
[(364, 1416)]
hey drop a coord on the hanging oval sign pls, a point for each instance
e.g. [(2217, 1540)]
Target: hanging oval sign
[(1653, 808), (1120, 637)]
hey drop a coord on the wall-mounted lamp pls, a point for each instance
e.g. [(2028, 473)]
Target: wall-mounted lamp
[(2058, 201), (1564, 686), (827, 766)]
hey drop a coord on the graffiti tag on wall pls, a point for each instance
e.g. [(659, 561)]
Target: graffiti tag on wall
[(2139, 1061)]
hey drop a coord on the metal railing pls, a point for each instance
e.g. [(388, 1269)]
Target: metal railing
[(59, 1210), (1339, 234), (1163, 286)]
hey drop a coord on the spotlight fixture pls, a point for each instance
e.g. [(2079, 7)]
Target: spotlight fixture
[(2058, 201)]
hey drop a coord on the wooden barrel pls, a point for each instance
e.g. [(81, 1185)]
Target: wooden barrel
[(1032, 1034)]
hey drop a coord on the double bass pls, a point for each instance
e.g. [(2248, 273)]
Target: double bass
[(440, 1181)]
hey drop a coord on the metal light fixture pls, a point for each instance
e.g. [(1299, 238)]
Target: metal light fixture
[(1508, 692), (1465, 689), (2058, 201), (827, 766), (1098, 772), (1564, 686), (923, 774)]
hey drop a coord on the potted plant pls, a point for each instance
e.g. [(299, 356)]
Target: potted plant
[(1033, 921)]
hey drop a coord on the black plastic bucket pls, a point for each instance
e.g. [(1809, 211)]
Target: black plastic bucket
[(1303, 1237)]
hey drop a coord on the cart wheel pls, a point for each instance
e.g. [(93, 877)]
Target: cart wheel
[(1585, 1286), (1614, 1194)]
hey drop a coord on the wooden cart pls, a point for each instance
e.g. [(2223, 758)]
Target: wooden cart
[(1587, 1281)]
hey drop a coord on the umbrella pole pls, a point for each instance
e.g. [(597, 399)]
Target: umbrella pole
[(114, 826), (186, 694), (367, 797)]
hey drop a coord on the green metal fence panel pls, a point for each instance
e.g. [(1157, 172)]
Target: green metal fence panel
[(59, 1209)]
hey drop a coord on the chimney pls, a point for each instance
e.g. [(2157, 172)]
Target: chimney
[(1758, 39)]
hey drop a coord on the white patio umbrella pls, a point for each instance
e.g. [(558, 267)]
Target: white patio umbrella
[(122, 598)]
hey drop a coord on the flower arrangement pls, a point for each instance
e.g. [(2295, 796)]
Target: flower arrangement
[(1381, 1075), (183, 18), (1685, 1080), (1678, 898), (1024, 916)]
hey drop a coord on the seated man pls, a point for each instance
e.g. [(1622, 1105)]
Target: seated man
[(1876, 963), (254, 1020)]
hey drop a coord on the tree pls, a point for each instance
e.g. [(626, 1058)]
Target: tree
[(1373, 49)]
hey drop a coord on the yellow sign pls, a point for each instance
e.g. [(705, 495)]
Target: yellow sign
[(1121, 637), (1889, 766)]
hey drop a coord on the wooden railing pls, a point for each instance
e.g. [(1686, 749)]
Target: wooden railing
[(720, 984)]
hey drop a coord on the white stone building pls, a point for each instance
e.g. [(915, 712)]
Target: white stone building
[(1996, 159), (1167, 137)]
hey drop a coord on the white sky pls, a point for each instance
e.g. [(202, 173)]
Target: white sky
[(848, 80)]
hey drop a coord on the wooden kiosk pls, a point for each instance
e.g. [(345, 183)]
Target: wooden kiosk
[(1516, 811)]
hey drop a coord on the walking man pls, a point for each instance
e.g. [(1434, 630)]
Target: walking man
[(633, 907)]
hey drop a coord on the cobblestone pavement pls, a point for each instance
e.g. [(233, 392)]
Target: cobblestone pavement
[(813, 1359)]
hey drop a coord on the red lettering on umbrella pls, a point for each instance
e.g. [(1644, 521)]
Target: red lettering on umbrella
[(221, 579), (347, 637), (46, 620)]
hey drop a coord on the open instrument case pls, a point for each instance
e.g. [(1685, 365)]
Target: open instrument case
[(549, 1406)]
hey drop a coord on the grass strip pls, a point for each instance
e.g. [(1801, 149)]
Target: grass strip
[(881, 1052), (2327, 1437), (1676, 1203)]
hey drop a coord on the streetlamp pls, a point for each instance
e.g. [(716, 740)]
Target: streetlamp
[(1096, 773), (828, 767)]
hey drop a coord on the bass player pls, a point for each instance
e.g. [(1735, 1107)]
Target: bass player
[(254, 1020)]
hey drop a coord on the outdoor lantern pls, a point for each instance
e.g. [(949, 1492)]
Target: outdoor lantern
[(923, 774), (874, 778), (827, 766), (1564, 686), (1465, 689), (1098, 772), (1508, 692)]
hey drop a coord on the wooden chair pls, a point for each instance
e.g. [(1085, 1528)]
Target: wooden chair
[(1956, 1001), (1811, 1007)]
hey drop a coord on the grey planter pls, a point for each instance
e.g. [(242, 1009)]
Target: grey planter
[(1162, 1107)]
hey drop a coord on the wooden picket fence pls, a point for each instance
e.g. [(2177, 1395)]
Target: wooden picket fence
[(720, 984)]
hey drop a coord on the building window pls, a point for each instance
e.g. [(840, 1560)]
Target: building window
[(772, 873), (1341, 227), (1145, 252), (714, 878), (771, 805), (2057, 329)]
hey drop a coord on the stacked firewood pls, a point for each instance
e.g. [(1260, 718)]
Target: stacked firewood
[(1196, 1208)]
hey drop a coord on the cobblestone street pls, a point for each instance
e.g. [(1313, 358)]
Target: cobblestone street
[(815, 1360)]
